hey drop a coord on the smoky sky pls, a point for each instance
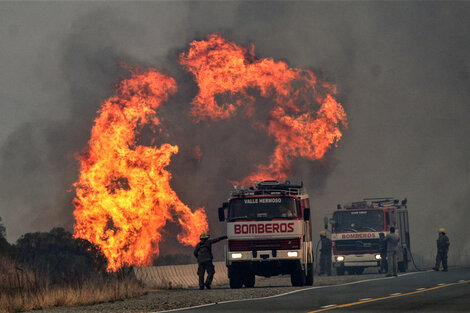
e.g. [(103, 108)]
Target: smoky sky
[(402, 72)]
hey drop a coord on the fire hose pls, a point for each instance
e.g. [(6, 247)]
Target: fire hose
[(414, 264)]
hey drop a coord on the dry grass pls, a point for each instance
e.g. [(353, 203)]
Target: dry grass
[(22, 290)]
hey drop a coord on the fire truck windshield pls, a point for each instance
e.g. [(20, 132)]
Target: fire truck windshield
[(262, 208), (354, 221)]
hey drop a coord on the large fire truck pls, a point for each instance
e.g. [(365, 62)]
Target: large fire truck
[(269, 233), (355, 232)]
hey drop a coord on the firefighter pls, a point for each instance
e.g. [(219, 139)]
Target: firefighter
[(392, 249), (325, 254), (203, 253), (442, 249), (383, 253)]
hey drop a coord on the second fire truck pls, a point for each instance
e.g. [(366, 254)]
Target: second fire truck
[(355, 230), (269, 233)]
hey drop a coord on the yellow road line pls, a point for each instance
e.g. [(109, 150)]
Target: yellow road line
[(388, 297)]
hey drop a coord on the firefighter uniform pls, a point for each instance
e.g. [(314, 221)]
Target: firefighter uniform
[(392, 250), (383, 253), (442, 249), (325, 254), (203, 253)]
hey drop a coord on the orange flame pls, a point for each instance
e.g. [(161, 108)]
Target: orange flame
[(304, 120), (123, 195)]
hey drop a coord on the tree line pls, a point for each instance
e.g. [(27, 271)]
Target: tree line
[(55, 255)]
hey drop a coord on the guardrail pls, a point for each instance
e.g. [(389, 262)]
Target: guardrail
[(177, 276)]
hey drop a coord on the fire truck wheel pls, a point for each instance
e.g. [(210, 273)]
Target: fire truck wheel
[(297, 277), (235, 278), (403, 266), (340, 271), (235, 282), (249, 280), (309, 278)]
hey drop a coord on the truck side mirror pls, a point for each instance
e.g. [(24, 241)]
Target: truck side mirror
[(325, 222), (221, 214), (225, 205), (333, 223), (306, 214)]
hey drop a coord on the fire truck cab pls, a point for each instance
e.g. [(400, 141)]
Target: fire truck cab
[(269, 233), (355, 232)]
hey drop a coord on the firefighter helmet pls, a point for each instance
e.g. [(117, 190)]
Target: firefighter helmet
[(204, 235), (323, 233), (442, 230)]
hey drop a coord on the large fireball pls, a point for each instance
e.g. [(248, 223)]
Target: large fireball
[(123, 195), (304, 118)]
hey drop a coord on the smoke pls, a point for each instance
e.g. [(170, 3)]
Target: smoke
[(38, 158), (402, 71)]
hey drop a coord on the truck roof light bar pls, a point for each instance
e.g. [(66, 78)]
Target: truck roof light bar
[(383, 202), (270, 187), (379, 199)]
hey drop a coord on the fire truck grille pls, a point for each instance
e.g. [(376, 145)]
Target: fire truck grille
[(266, 244), (357, 245)]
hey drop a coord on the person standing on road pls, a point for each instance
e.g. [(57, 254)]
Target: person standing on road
[(203, 253), (383, 253), (442, 249), (392, 249), (325, 254)]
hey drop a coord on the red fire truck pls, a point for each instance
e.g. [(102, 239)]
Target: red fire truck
[(269, 233), (355, 230)]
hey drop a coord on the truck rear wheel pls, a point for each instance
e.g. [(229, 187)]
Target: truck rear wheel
[(249, 280), (297, 277), (309, 278), (235, 278), (403, 265)]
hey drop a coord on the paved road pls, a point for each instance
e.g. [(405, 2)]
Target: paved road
[(411, 292)]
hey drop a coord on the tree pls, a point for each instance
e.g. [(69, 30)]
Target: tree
[(3, 231), (60, 256), (5, 248)]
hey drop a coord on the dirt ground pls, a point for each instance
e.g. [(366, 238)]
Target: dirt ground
[(161, 300)]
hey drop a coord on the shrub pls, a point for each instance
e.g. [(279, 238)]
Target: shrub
[(60, 257)]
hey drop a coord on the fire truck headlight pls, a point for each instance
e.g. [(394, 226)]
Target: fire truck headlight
[(378, 257), (340, 258), (292, 254), (236, 255)]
